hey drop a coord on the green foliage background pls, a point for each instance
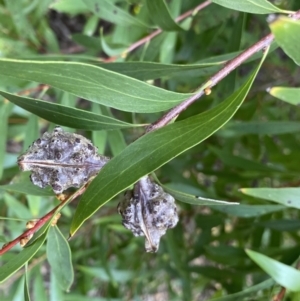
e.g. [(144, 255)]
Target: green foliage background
[(238, 144)]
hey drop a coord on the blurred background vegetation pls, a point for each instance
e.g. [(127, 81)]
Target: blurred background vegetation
[(204, 257)]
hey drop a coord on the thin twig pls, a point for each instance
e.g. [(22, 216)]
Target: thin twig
[(155, 33), (42, 220), (229, 67), (280, 295)]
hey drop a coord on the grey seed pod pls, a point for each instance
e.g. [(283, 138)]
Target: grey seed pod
[(61, 160), (148, 211)]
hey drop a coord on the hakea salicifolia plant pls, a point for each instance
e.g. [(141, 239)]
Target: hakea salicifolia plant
[(63, 160)]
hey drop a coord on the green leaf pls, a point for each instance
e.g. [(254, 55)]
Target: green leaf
[(193, 199), (32, 131), (99, 138), (283, 274), (251, 6), (95, 84), (152, 151), (70, 6), (281, 225), (228, 85), (289, 197), (240, 162), (16, 207), (13, 48), (24, 28), (56, 293), (152, 70), (26, 289), (110, 51), (118, 276), (17, 292), (66, 116), (5, 109), (247, 211), (236, 129), (289, 95), (116, 142), (22, 184), (160, 14), (115, 138), (59, 257), (19, 260), (248, 291), (38, 289), (287, 35), (107, 10)]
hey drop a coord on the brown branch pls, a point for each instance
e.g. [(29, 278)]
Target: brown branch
[(215, 79), (280, 295), (40, 222), (155, 33)]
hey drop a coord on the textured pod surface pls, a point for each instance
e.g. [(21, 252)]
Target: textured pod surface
[(61, 160), (148, 211)]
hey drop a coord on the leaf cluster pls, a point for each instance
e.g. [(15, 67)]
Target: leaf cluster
[(77, 63)]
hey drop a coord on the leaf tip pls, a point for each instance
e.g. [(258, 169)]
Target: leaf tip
[(269, 90)]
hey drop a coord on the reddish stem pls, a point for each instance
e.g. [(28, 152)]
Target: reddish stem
[(42, 220), (28, 232), (280, 295), (158, 31)]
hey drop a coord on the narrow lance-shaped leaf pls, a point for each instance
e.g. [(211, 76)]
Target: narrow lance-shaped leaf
[(283, 274), (32, 131), (236, 129), (287, 35), (240, 162), (194, 199), (116, 139), (26, 289), (16, 262), (248, 211), (107, 10), (59, 257), (161, 16), (248, 291), (152, 70), (251, 6), (95, 84), (99, 137), (287, 94), (5, 109), (152, 151), (67, 116), (289, 197)]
